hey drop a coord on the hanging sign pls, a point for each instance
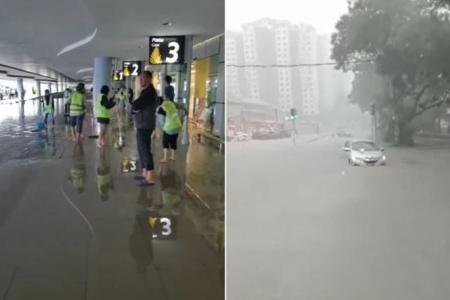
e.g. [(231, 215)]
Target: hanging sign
[(166, 50), (117, 76), (132, 68)]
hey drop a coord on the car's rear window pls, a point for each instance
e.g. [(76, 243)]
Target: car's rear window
[(364, 145)]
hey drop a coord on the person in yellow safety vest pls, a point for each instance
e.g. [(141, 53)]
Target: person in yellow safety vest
[(77, 111), (170, 123), (49, 108), (103, 107)]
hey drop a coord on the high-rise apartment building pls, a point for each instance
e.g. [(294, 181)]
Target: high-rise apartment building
[(271, 42), (235, 76)]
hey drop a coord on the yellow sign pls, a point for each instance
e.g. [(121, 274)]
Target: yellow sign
[(155, 57), (152, 221), (126, 71)]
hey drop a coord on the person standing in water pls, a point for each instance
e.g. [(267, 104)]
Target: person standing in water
[(67, 98), (77, 111), (49, 108), (170, 127), (144, 121), (103, 107), (169, 91)]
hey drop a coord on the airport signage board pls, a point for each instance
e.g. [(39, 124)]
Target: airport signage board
[(118, 76), (166, 50), (132, 68)]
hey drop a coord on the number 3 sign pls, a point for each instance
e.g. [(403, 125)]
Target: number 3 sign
[(166, 50), (129, 166)]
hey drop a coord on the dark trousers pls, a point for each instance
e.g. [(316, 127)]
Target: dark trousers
[(143, 137), (170, 141), (77, 122), (46, 117)]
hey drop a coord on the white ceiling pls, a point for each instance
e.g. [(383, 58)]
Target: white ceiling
[(11, 73), (34, 32)]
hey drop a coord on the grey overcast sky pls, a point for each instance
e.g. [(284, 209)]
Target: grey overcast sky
[(322, 14)]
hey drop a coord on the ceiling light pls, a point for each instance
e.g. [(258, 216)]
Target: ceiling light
[(85, 70), (78, 44)]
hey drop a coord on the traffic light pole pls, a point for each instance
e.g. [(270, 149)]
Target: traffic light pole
[(293, 116)]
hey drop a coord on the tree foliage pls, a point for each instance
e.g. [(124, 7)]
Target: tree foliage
[(402, 46)]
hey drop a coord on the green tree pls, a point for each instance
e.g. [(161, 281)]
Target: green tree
[(403, 42), (439, 3)]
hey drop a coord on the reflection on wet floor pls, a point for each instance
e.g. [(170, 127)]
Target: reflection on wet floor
[(141, 246), (104, 179), (78, 169), (79, 226), (18, 139)]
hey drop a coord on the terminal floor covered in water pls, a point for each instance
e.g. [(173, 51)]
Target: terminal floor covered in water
[(73, 225)]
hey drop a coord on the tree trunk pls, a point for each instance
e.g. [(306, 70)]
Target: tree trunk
[(389, 131), (405, 134)]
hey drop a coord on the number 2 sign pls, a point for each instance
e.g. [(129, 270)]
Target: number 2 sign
[(132, 68), (166, 50)]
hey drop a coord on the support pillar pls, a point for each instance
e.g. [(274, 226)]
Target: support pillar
[(219, 107), (20, 89), (188, 53), (188, 59), (38, 88), (102, 74), (219, 110), (39, 94)]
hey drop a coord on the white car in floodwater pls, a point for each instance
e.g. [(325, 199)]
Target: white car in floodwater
[(364, 153)]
